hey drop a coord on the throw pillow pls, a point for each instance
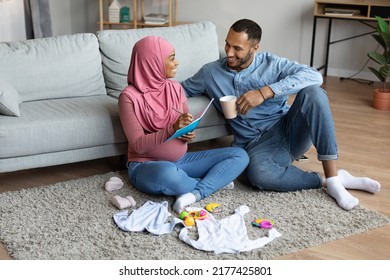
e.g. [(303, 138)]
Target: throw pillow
[(9, 100)]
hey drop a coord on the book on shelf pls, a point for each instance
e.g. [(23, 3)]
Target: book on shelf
[(341, 12), (338, 14), (155, 22), (156, 18)]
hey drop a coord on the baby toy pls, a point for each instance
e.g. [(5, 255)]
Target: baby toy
[(214, 207), (263, 223), (190, 217)]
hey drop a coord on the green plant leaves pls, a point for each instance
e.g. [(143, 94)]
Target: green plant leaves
[(382, 25), (378, 58), (377, 74), (383, 38), (385, 71)]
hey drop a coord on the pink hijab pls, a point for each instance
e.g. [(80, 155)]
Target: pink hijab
[(152, 94)]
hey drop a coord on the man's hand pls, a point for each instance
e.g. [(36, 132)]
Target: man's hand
[(253, 98), (249, 100)]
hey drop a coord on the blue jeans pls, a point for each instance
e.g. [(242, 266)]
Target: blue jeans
[(201, 173), (309, 121)]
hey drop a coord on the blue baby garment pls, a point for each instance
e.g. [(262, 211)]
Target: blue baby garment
[(151, 216)]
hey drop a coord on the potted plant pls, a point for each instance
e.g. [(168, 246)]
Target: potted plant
[(381, 99)]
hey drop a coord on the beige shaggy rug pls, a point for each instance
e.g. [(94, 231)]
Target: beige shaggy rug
[(74, 220)]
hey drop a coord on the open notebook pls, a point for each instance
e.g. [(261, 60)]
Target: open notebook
[(190, 127)]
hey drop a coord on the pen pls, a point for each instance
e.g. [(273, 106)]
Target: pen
[(177, 111)]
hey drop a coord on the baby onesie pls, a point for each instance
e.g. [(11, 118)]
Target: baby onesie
[(228, 235), (151, 216)]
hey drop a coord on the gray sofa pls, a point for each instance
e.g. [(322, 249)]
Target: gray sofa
[(58, 95)]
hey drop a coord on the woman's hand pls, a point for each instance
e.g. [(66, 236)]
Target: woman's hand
[(189, 137), (182, 121)]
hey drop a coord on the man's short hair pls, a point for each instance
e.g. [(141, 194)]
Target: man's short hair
[(251, 28)]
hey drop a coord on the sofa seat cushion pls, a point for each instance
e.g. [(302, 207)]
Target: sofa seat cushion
[(60, 125), (54, 67), (195, 44)]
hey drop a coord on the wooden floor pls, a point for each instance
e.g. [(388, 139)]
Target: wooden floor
[(364, 145)]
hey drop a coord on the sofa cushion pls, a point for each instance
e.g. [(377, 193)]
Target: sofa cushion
[(55, 67), (195, 44), (54, 125), (9, 100)]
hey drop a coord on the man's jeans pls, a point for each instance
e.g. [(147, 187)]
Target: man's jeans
[(309, 121)]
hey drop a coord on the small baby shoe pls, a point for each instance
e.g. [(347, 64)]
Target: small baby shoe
[(114, 184), (121, 202)]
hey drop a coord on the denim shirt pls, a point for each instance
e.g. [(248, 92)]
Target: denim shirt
[(283, 76)]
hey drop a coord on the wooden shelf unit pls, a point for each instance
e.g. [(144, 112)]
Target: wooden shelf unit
[(367, 9), (136, 22)]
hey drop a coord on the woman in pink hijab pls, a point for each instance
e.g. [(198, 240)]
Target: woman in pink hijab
[(148, 120)]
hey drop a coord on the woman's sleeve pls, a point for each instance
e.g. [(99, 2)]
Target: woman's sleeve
[(139, 140)]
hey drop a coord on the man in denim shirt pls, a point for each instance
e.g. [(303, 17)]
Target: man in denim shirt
[(273, 133)]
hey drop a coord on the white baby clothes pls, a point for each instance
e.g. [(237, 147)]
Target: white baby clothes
[(151, 216), (228, 235)]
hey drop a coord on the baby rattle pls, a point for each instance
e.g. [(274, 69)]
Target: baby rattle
[(190, 217), (214, 207), (263, 223)]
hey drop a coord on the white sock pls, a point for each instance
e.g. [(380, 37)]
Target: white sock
[(229, 186), (182, 201), (336, 190), (358, 183)]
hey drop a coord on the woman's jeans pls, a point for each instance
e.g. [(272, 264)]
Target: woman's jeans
[(309, 121), (201, 173)]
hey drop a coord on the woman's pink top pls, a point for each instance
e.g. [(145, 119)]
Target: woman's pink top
[(145, 146), (145, 105)]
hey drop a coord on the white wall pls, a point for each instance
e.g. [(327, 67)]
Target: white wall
[(74, 16), (12, 23), (287, 31), (287, 27)]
